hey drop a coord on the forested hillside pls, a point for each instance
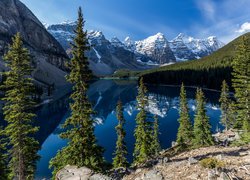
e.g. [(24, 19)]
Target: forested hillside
[(208, 72)]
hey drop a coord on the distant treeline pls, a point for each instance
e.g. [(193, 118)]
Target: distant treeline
[(208, 78)]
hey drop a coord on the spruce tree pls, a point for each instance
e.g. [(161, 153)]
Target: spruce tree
[(82, 148), (202, 128), (142, 149), (185, 130), (18, 112), (3, 157), (156, 147), (241, 84), (227, 118), (120, 159)]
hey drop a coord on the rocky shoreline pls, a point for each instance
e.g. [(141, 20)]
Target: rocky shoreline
[(183, 166)]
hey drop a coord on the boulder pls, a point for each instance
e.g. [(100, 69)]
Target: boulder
[(220, 157), (224, 176), (212, 175), (152, 175), (99, 177), (192, 160), (83, 173)]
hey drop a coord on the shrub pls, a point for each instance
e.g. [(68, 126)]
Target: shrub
[(212, 163)]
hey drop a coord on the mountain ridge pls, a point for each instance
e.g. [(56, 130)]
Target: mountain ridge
[(144, 54)]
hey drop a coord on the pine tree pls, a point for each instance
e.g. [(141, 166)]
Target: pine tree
[(156, 147), (227, 118), (185, 130), (142, 133), (18, 112), (241, 84), (120, 159), (202, 128), (82, 148), (3, 157)]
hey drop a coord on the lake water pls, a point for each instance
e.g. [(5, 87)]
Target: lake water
[(104, 94)]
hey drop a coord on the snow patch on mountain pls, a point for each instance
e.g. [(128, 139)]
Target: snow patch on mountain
[(186, 47), (97, 55)]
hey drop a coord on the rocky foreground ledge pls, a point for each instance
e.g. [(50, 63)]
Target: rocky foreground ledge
[(185, 166)]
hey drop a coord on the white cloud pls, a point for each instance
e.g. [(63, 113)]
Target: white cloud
[(222, 18), (207, 8), (245, 27)]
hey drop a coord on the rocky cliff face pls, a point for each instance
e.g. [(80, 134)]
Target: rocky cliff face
[(48, 55)]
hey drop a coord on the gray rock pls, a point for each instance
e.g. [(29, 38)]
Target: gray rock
[(152, 175), (163, 161), (247, 159), (243, 153), (220, 156), (212, 175), (83, 173), (224, 176), (173, 143), (192, 160), (99, 177), (138, 170)]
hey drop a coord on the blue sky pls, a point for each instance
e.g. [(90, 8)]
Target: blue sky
[(139, 19)]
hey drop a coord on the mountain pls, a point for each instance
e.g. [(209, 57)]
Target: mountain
[(62, 32), (48, 55), (210, 70), (107, 56), (156, 48), (186, 47)]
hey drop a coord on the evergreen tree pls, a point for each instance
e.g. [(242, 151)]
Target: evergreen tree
[(185, 130), (121, 150), (142, 133), (241, 84), (156, 147), (202, 133), (227, 118), (82, 148), (17, 112), (3, 157)]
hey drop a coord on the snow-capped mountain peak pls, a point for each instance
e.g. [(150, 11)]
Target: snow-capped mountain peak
[(156, 47), (129, 44), (183, 37), (159, 37), (128, 41), (116, 42), (95, 34), (68, 22), (96, 37), (194, 48)]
